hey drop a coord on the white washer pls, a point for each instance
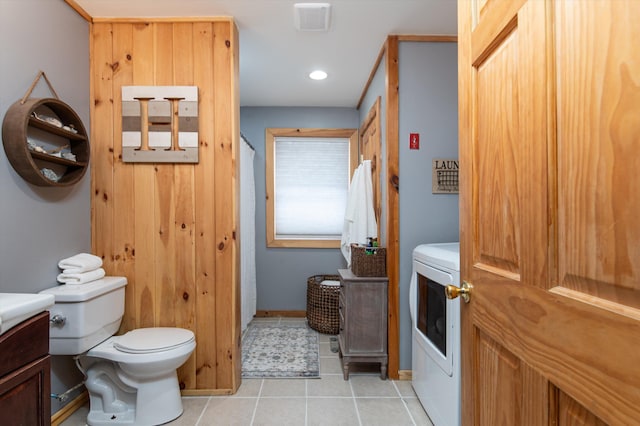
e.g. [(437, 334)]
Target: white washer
[(436, 331)]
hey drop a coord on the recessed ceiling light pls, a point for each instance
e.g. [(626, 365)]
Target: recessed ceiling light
[(318, 75)]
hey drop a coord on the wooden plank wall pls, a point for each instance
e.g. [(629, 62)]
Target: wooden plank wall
[(171, 228)]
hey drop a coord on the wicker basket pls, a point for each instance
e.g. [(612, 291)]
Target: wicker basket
[(368, 261), (322, 304)]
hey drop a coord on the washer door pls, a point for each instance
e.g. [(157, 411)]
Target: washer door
[(434, 317)]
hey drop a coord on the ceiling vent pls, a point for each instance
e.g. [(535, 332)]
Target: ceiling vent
[(312, 16)]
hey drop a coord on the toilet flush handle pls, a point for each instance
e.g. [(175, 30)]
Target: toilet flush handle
[(58, 320)]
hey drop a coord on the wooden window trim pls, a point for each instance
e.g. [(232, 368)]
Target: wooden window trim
[(270, 136)]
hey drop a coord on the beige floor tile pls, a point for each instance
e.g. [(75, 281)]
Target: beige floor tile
[(330, 365), (331, 412), (329, 386), (280, 412), (193, 407), (249, 387), (325, 350), (283, 387), (227, 411), (324, 338), (337, 408), (78, 418), (372, 386), (405, 388), (417, 412), (383, 412)]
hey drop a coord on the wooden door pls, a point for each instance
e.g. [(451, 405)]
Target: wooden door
[(370, 150), (550, 236)]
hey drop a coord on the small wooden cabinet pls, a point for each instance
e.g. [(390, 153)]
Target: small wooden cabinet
[(44, 136), (25, 384), (363, 321)]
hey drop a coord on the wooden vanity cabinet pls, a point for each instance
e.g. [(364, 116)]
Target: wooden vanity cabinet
[(363, 321), (25, 385)]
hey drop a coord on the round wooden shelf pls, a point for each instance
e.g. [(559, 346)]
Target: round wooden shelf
[(20, 120)]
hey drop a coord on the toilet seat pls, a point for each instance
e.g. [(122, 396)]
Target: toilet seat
[(151, 340), (174, 348)]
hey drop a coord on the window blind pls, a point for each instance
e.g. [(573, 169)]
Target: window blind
[(311, 186)]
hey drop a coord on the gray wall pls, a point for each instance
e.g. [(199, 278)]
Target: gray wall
[(428, 106), (39, 226), (281, 273)]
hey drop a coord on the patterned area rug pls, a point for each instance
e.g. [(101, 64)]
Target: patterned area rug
[(280, 351)]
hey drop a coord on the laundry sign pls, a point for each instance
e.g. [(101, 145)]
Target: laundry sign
[(444, 175)]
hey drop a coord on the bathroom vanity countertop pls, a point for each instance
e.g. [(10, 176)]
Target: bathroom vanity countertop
[(17, 307)]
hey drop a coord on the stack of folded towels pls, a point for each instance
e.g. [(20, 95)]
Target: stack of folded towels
[(80, 269)]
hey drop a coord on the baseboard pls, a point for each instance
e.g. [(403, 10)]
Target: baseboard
[(288, 314), (206, 392), (405, 374), (65, 412)]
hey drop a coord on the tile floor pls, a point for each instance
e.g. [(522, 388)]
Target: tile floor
[(363, 400)]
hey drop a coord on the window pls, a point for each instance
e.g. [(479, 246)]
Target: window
[(308, 174)]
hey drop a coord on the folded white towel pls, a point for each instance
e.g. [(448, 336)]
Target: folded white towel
[(81, 278), (82, 262)]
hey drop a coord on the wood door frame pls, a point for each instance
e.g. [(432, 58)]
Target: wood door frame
[(393, 203), (389, 53)]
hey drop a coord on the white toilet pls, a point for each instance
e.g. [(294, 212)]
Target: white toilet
[(131, 378)]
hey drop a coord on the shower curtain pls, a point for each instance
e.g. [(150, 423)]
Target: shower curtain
[(247, 233)]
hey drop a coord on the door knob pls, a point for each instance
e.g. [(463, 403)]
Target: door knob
[(465, 292)]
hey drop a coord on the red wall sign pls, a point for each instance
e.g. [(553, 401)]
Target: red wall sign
[(414, 140)]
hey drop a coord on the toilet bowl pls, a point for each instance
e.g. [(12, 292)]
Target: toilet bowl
[(131, 379), (142, 365)]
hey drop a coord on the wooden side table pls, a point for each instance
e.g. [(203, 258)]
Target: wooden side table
[(363, 321)]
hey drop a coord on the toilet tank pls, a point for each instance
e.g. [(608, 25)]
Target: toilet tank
[(92, 313)]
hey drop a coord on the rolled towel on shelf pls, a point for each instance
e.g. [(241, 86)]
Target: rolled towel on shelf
[(82, 277), (82, 262)]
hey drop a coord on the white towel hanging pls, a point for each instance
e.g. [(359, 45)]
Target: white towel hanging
[(359, 219)]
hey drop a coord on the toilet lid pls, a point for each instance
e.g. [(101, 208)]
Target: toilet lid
[(156, 339)]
